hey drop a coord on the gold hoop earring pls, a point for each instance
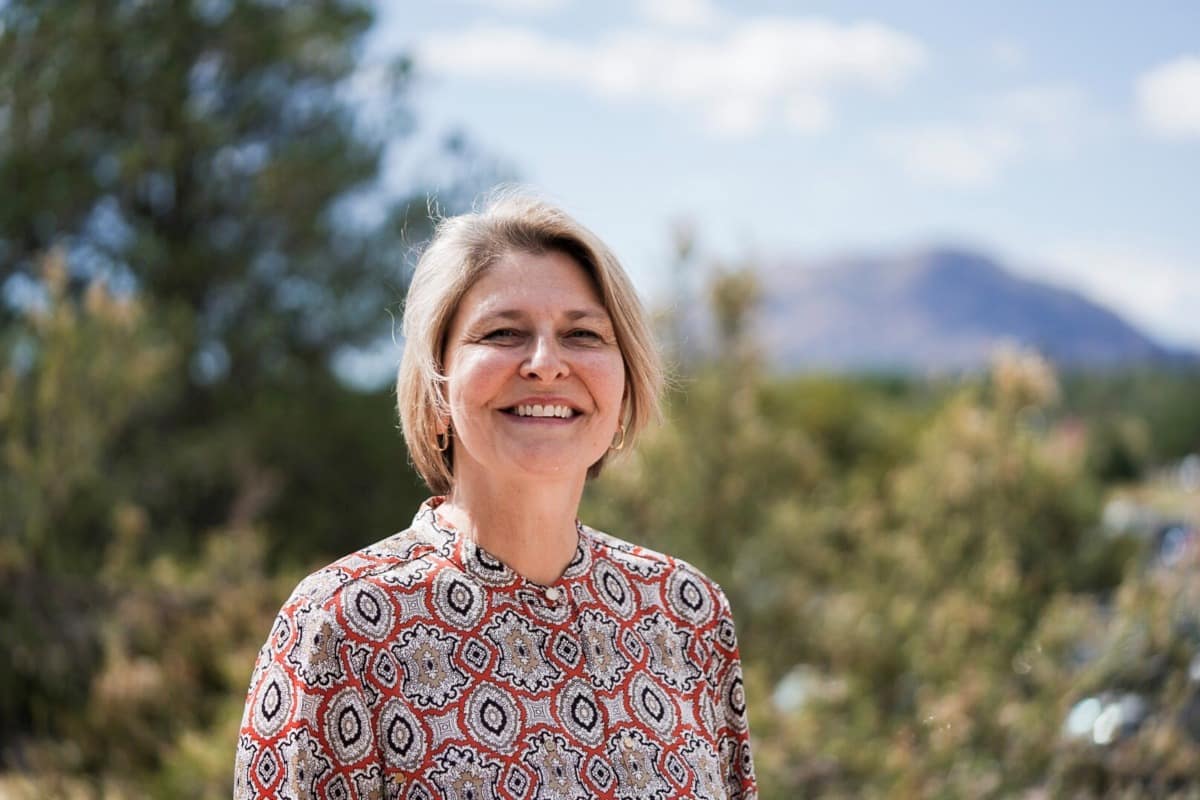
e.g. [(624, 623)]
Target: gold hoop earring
[(443, 441), (617, 445)]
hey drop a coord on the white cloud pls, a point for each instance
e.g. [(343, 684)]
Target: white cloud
[(680, 13), (505, 52), (758, 71), (522, 6), (1157, 291), (1055, 118), (952, 154), (1168, 98), (1007, 55), (974, 151), (1051, 105)]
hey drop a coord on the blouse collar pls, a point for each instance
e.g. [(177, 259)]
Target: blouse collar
[(474, 560)]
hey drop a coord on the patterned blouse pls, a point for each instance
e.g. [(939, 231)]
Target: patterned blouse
[(422, 667)]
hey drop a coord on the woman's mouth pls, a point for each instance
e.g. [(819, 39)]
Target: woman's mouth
[(534, 410)]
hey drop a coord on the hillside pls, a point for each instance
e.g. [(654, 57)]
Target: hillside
[(933, 311)]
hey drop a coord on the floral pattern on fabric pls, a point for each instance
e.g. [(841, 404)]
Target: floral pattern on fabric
[(423, 667)]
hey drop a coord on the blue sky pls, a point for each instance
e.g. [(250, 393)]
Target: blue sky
[(1062, 138)]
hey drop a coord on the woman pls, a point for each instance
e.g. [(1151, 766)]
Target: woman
[(498, 648)]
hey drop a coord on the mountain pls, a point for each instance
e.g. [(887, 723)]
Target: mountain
[(936, 310)]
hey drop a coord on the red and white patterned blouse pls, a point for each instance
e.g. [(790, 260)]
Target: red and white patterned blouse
[(422, 667)]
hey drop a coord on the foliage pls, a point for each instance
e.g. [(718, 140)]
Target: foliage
[(206, 156), (1139, 417), (122, 662), (1149, 648), (74, 375), (202, 149)]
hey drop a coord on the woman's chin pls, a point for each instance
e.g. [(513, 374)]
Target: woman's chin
[(550, 463)]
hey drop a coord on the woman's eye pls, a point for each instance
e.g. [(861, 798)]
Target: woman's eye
[(501, 334), (583, 333)]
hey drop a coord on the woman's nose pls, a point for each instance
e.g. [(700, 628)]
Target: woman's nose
[(545, 361)]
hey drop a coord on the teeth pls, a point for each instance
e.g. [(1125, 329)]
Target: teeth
[(544, 411)]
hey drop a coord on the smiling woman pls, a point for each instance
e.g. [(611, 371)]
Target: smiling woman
[(499, 648)]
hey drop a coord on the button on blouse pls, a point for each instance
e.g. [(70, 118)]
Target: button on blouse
[(423, 667)]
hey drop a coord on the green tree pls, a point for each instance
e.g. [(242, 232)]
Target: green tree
[(1146, 651), (1137, 418), (123, 667), (206, 152), (73, 376), (213, 156)]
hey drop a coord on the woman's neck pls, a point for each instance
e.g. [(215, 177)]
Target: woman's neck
[(528, 526)]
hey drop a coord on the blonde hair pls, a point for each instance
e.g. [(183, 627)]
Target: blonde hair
[(463, 248)]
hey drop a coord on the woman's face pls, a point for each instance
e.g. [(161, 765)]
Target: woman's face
[(535, 376)]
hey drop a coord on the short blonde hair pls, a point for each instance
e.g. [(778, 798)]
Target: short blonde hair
[(463, 248)]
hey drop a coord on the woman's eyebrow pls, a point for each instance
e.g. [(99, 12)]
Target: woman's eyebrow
[(588, 313), (511, 314)]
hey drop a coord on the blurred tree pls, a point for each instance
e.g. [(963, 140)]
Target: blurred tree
[(948, 570), (73, 376), (1141, 738), (1118, 447), (1138, 417), (121, 665), (206, 153), (222, 157)]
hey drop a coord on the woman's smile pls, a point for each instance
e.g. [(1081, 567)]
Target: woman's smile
[(537, 413)]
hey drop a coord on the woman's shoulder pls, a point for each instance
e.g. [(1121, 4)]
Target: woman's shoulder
[(685, 586), (405, 558)]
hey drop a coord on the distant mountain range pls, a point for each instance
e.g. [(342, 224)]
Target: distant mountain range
[(936, 310)]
